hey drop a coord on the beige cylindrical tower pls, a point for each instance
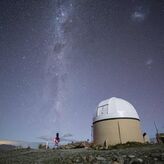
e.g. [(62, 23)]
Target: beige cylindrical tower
[(116, 121)]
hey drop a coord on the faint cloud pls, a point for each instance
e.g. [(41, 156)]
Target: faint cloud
[(23, 57), (149, 62), (7, 142), (139, 14), (67, 135)]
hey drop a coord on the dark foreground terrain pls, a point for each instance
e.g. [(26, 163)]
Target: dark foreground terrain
[(151, 154)]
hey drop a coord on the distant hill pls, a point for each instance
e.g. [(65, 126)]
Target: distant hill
[(18, 143), (7, 147)]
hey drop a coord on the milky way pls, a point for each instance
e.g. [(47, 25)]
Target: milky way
[(56, 67)]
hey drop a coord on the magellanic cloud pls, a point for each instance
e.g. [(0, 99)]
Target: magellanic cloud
[(139, 14), (149, 62)]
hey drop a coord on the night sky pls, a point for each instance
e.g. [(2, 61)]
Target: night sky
[(60, 58)]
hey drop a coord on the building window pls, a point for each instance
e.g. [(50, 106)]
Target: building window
[(103, 110)]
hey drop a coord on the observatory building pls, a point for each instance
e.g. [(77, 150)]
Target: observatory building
[(116, 122)]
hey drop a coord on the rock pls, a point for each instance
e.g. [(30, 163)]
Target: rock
[(155, 159), (90, 158), (68, 161), (75, 145), (140, 160), (99, 158), (115, 158), (162, 156), (131, 156), (124, 156), (115, 162), (126, 161), (136, 161), (156, 155), (101, 148), (78, 160)]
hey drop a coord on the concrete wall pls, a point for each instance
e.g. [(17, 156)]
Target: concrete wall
[(117, 131)]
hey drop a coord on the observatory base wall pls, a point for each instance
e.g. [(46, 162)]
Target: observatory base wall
[(116, 131)]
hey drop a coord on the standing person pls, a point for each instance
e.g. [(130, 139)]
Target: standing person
[(56, 140), (47, 145), (146, 138)]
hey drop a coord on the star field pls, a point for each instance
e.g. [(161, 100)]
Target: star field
[(60, 58)]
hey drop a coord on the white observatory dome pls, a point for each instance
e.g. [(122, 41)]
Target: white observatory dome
[(115, 108)]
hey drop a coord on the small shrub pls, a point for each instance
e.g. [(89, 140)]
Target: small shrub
[(41, 146), (127, 145), (28, 148)]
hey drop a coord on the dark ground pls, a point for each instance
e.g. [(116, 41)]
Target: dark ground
[(150, 154)]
